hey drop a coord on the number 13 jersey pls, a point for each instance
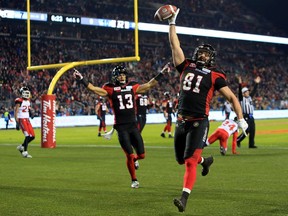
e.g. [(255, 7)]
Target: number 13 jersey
[(122, 100)]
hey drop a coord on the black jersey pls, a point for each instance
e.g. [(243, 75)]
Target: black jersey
[(122, 100), (197, 87), (142, 104)]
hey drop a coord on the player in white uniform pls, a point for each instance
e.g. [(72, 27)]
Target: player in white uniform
[(222, 133), (22, 114)]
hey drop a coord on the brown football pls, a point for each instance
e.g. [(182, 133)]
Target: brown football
[(165, 12)]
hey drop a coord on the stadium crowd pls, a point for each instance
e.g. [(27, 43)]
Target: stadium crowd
[(55, 43)]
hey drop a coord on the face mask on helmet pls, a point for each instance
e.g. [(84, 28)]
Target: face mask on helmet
[(117, 71), (204, 55), (25, 93)]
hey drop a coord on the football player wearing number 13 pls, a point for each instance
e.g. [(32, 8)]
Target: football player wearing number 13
[(199, 78), (121, 95)]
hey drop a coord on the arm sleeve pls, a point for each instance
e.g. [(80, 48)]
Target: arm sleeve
[(240, 96), (252, 94)]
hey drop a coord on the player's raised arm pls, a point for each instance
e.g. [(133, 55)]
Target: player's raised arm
[(97, 90), (147, 86), (177, 52)]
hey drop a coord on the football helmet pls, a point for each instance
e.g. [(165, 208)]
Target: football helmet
[(207, 48), (119, 69), (25, 92), (167, 94)]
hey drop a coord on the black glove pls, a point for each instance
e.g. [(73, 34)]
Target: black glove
[(78, 76), (17, 126)]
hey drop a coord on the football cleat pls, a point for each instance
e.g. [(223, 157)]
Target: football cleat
[(135, 184), (170, 136), (238, 144), (26, 155), (178, 203), (108, 135), (136, 164), (206, 165), (223, 151), (20, 148), (162, 135)]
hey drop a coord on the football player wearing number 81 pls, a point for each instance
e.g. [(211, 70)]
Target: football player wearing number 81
[(121, 95), (199, 78)]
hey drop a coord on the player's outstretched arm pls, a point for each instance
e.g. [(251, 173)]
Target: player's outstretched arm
[(97, 90), (147, 86), (229, 95)]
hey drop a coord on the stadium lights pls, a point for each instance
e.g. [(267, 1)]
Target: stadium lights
[(214, 33)]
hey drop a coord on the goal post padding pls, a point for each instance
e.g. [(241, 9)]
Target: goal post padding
[(48, 117)]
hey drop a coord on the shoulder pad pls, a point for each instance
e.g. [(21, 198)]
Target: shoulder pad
[(218, 70), (18, 100), (108, 84)]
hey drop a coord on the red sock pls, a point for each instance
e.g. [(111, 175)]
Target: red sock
[(191, 169)]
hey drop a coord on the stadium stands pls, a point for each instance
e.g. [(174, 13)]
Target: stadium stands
[(57, 43)]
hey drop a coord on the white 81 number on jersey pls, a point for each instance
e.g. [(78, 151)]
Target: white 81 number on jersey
[(128, 99), (187, 83)]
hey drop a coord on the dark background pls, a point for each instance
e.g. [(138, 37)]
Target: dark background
[(274, 10)]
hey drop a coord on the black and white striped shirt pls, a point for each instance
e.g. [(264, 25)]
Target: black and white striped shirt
[(247, 102), (247, 105)]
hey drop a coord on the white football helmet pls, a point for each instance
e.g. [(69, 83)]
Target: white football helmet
[(25, 93)]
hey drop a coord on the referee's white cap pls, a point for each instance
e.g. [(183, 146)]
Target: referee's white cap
[(244, 90)]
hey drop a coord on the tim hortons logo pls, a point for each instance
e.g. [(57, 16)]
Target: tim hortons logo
[(48, 108)]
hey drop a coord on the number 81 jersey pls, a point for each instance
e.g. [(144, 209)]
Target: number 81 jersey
[(122, 100), (197, 86)]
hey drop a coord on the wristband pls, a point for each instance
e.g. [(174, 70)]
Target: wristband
[(84, 82), (158, 76)]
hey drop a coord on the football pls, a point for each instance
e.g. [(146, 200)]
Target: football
[(165, 12)]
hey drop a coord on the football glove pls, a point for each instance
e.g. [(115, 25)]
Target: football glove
[(77, 75), (243, 125), (166, 68), (172, 20)]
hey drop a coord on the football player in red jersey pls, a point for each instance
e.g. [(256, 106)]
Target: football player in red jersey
[(22, 112), (227, 128), (121, 95), (199, 78)]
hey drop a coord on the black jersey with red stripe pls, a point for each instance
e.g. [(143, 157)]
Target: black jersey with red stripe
[(168, 106), (142, 104), (122, 100), (197, 86)]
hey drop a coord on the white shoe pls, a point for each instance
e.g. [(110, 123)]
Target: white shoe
[(20, 148), (136, 164), (135, 184), (26, 155), (108, 135)]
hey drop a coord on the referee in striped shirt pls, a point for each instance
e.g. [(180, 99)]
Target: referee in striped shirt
[(246, 101)]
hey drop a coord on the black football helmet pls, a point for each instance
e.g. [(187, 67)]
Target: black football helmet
[(119, 69), (208, 49), (25, 92), (167, 94)]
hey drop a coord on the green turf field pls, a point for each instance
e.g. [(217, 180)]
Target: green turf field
[(86, 175)]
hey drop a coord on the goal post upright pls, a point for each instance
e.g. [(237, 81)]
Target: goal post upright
[(48, 102)]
